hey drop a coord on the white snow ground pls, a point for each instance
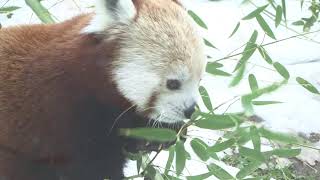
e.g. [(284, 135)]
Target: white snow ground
[(300, 111)]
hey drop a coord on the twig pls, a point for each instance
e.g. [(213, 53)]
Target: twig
[(267, 44)]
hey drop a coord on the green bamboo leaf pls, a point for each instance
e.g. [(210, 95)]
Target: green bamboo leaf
[(200, 176), (264, 25), (239, 76), (151, 134), (286, 153), (301, 3), (208, 43), (307, 85), (139, 163), (246, 102), (284, 9), (278, 15), (256, 12), (281, 70), (215, 122), (214, 65), (200, 149), (268, 89), (265, 55), (248, 50), (262, 103), (168, 177), (244, 137), (205, 98), (280, 137), (170, 160), (253, 82), (248, 169), (255, 137), (298, 23), (8, 9), (251, 154), (217, 72), (180, 157), (219, 172), (214, 156), (197, 19), (235, 30), (218, 147)]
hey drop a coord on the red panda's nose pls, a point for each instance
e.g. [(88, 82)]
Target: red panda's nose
[(189, 111)]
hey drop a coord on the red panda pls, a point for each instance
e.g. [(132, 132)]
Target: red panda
[(66, 88)]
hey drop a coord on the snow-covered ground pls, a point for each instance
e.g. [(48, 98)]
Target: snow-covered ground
[(300, 111)]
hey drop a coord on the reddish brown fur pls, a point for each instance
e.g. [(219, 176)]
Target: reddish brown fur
[(51, 78)]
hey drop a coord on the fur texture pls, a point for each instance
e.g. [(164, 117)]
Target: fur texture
[(64, 88)]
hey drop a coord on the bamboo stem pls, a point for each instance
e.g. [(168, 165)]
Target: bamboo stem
[(42, 13)]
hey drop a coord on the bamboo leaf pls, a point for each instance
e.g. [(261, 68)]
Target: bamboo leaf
[(286, 153), (255, 137), (262, 103), (277, 136), (197, 19), (208, 43), (200, 149), (281, 70), (253, 82), (180, 157), (278, 15), (239, 75), (235, 30), (248, 169), (265, 55), (205, 98), (218, 147), (264, 25), (307, 85), (284, 9), (151, 134), (170, 160), (214, 65), (219, 172), (251, 154), (246, 102), (215, 122), (254, 13), (217, 72), (298, 23), (8, 9), (200, 176), (248, 50)]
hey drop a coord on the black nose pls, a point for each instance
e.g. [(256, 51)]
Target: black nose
[(189, 111)]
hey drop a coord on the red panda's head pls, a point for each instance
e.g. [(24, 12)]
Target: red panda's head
[(161, 58)]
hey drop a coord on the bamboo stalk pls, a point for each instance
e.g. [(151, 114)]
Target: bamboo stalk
[(42, 13)]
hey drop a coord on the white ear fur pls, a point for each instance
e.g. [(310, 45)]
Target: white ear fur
[(108, 12)]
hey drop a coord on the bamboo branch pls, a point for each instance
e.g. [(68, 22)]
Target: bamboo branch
[(42, 13)]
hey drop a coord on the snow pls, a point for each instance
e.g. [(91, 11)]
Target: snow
[(300, 111)]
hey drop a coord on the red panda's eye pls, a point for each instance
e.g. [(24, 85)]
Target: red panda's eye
[(173, 84)]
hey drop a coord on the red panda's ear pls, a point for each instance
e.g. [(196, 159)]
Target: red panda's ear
[(108, 12), (178, 2)]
